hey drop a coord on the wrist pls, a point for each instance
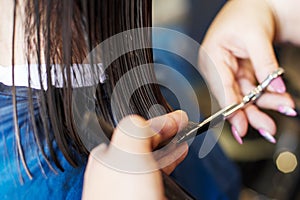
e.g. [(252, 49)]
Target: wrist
[(287, 20)]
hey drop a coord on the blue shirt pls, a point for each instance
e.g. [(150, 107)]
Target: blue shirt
[(45, 184)]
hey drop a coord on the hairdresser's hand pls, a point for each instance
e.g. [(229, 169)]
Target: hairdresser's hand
[(237, 53), (127, 169)]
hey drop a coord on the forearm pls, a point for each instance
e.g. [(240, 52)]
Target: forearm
[(287, 16)]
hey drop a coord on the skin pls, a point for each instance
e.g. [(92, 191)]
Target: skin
[(126, 184), (237, 52), (287, 15), (6, 32)]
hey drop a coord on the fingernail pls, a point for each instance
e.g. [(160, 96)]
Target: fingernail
[(278, 85), (267, 135), (236, 135), (287, 111)]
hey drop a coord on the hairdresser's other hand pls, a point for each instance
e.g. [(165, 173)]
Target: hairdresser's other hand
[(237, 52), (127, 169)]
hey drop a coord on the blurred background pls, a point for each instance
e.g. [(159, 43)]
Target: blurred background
[(267, 171)]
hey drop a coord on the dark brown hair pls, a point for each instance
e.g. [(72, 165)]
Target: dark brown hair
[(63, 33)]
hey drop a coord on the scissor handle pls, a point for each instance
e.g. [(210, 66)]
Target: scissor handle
[(256, 92), (193, 129), (271, 77)]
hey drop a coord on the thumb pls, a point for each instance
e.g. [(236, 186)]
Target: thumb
[(264, 61), (130, 149), (133, 134)]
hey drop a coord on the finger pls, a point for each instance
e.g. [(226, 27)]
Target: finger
[(228, 91), (97, 151), (231, 61), (168, 125), (133, 134), (180, 117), (282, 103), (264, 61), (101, 148), (116, 165), (215, 66), (261, 122), (246, 71), (239, 121), (130, 149), (173, 158), (258, 119), (239, 125)]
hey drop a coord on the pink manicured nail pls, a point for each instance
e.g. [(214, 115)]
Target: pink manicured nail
[(236, 135), (267, 135), (278, 85), (287, 111)]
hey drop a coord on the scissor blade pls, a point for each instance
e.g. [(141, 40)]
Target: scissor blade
[(193, 129)]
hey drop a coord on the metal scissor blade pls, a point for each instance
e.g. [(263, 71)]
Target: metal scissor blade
[(193, 129)]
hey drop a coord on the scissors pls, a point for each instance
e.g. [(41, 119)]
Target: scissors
[(193, 129)]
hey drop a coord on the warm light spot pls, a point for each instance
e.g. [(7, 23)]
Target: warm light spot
[(286, 162)]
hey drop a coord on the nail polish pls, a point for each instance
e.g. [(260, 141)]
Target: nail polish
[(278, 85), (267, 135), (287, 111), (236, 135)]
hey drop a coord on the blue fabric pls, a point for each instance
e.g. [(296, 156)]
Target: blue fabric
[(212, 177), (45, 183)]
